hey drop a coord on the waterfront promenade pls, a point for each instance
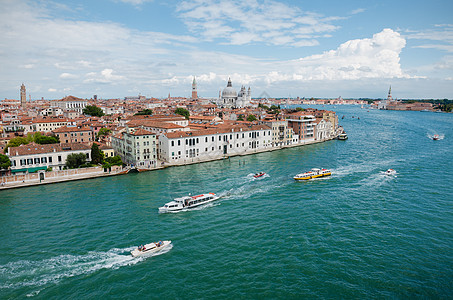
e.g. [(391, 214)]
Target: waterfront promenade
[(32, 179)]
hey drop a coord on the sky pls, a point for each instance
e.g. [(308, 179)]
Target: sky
[(325, 49)]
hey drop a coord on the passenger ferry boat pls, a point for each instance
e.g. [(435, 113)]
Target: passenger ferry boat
[(314, 173), (187, 202)]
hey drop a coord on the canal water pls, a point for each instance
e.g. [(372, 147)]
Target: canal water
[(356, 234)]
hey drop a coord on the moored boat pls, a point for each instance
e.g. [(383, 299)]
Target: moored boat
[(314, 173), (150, 248), (188, 202), (260, 174), (342, 136)]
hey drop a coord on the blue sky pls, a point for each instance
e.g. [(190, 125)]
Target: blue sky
[(115, 48)]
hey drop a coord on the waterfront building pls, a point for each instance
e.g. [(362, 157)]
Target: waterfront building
[(231, 99), (136, 146), (23, 95), (303, 124), (51, 111), (34, 157), (213, 143), (281, 133), (323, 129), (74, 134)]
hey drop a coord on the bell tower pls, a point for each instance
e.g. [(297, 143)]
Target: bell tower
[(23, 95), (194, 89)]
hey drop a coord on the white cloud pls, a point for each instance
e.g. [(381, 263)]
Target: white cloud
[(244, 22), (68, 76), (52, 90), (105, 76), (357, 11), (442, 34)]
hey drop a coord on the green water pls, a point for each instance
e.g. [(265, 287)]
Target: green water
[(356, 234)]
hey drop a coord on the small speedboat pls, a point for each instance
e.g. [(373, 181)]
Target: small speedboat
[(342, 136), (390, 172), (187, 202), (314, 173), (436, 137), (258, 175), (150, 248)]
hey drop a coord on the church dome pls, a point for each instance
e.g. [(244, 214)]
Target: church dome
[(229, 91)]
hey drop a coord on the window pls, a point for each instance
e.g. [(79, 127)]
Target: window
[(43, 160), (50, 159), (23, 162), (59, 158), (213, 139), (29, 161), (172, 143), (206, 139), (179, 142)]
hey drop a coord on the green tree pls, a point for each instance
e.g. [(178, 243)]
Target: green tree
[(5, 163), (300, 109), (75, 160), (241, 118), (145, 112), (16, 142), (104, 132), (183, 112), (97, 156), (115, 160), (38, 138), (251, 118), (93, 110)]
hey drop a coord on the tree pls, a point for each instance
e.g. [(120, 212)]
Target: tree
[(115, 160), (145, 112), (300, 109), (38, 138), (5, 163), (241, 118), (183, 112), (93, 110), (16, 142), (75, 160), (104, 132), (251, 118), (97, 156)]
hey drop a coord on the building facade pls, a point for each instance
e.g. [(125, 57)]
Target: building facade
[(231, 99), (136, 146)]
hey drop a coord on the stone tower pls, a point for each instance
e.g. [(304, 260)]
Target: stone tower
[(194, 89), (23, 95)]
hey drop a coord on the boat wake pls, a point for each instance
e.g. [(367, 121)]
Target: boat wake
[(251, 177), (39, 274)]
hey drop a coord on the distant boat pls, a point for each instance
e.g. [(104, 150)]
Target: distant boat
[(436, 137), (342, 136), (258, 175), (390, 172)]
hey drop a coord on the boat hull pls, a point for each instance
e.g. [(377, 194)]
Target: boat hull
[(163, 210), (150, 248)]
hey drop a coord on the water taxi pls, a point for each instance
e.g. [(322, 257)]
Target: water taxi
[(436, 137), (314, 173), (390, 172), (258, 175), (150, 248), (187, 202)]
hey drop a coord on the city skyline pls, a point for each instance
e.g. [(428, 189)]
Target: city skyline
[(124, 48)]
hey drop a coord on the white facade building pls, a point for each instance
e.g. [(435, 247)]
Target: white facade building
[(137, 147), (209, 144)]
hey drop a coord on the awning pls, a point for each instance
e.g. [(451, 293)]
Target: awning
[(30, 170)]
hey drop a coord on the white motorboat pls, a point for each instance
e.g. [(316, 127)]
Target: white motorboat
[(390, 172), (187, 202), (150, 248)]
